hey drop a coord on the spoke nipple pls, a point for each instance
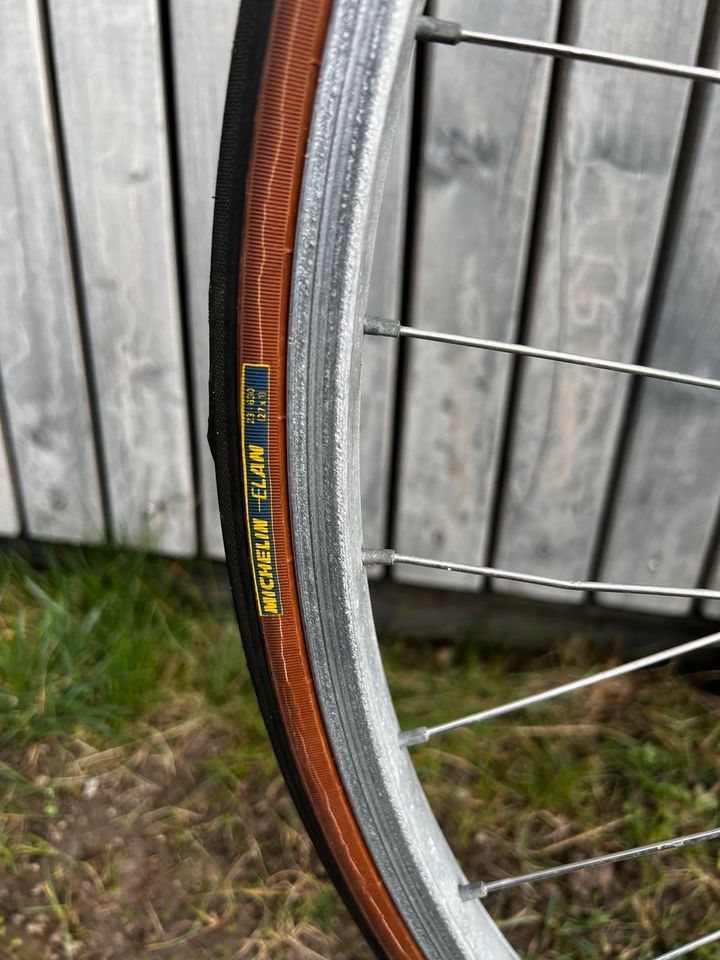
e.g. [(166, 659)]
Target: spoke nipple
[(411, 738), (472, 891), (385, 558), (438, 31), (382, 327)]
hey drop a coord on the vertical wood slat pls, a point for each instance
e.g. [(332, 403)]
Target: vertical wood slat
[(202, 44), (667, 502), (110, 82), (485, 121), (612, 169), (40, 347), (9, 517), (379, 367), (712, 608)]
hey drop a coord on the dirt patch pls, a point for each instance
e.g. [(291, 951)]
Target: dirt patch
[(172, 847)]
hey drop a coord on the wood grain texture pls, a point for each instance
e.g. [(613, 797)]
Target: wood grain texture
[(9, 517), (110, 83), (485, 119), (712, 608), (611, 171), (380, 353), (669, 493), (40, 348), (202, 44)]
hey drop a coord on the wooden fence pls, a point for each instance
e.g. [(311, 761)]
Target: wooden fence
[(574, 207)]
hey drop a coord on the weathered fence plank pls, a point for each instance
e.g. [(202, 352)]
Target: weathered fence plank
[(668, 498), (9, 518), (110, 82), (40, 348), (611, 170), (380, 354), (485, 120), (712, 608), (202, 44)]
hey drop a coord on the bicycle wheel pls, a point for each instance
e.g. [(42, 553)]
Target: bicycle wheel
[(285, 364), (312, 100)]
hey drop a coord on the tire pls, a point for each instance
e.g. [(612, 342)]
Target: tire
[(299, 182)]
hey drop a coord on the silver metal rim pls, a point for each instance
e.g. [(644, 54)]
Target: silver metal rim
[(367, 53)]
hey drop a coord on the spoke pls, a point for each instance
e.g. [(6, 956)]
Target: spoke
[(390, 557), (689, 947), (472, 891), (409, 738), (446, 31), (389, 328)]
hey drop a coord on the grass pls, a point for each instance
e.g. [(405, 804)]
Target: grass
[(141, 813), (633, 761)]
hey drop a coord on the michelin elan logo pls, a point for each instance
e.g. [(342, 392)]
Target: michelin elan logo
[(254, 418)]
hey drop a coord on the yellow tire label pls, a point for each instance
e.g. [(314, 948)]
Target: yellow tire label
[(254, 421)]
